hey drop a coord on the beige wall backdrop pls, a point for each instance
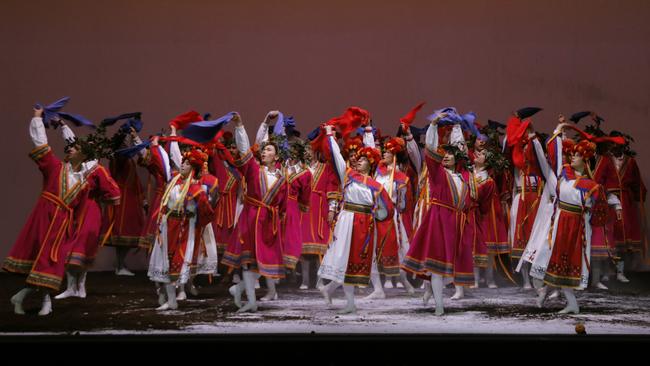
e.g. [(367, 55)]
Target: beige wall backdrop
[(311, 59)]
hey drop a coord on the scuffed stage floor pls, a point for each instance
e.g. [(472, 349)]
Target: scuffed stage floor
[(125, 305)]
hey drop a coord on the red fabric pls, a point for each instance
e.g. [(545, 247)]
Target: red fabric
[(298, 201), (154, 165), (129, 214), (100, 187), (516, 134), (183, 120), (316, 231), (619, 140), (410, 116)]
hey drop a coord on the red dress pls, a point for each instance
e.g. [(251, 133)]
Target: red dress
[(435, 243), (259, 229), (45, 242), (298, 200), (316, 231), (631, 192), (230, 180), (100, 187), (158, 168), (128, 217)]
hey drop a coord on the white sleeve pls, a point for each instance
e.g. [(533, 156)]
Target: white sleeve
[(456, 137), (241, 139), (431, 138), (37, 132), (67, 133), (368, 138), (175, 153), (547, 170), (262, 134), (339, 162), (413, 151), (612, 200)]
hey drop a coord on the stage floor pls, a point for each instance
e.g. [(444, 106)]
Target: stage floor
[(125, 305)]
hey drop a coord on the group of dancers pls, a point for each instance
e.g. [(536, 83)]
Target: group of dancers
[(473, 197)]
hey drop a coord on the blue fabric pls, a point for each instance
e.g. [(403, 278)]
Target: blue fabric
[(130, 152), (76, 119), (204, 131), (50, 111)]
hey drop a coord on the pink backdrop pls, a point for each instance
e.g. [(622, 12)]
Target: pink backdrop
[(311, 60)]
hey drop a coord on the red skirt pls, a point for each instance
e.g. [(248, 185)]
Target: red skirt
[(565, 266)]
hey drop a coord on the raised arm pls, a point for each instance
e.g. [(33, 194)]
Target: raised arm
[(413, 150), (368, 138), (37, 129), (431, 138), (241, 138), (337, 159), (175, 151), (262, 135), (547, 170)]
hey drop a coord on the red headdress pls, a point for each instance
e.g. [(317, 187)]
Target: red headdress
[(585, 148), (373, 155), (395, 145), (196, 157), (352, 145)]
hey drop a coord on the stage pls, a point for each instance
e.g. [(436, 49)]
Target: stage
[(125, 306)]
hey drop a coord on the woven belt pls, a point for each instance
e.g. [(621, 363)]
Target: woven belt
[(571, 208), (348, 206), (528, 189), (180, 214)]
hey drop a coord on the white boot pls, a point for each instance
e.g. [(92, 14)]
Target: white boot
[(477, 277), (81, 285), (181, 293), (191, 288), (460, 293), (489, 272), (124, 272), (304, 264), (160, 291), (436, 287), (572, 303), (407, 285), (541, 296), (620, 275), (250, 278), (525, 269), (272, 294), (388, 283), (378, 290), (17, 300), (428, 292), (328, 290), (236, 291), (171, 303), (349, 308), (46, 308), (257, 284), (71, 290), (595, 276), (319, 283)]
